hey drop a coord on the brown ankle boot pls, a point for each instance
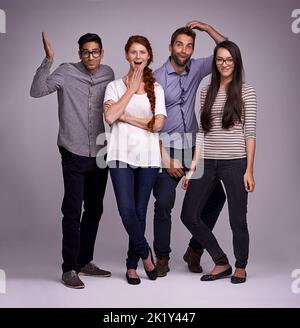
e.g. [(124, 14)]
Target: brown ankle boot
[(162, 266), (192, 258)]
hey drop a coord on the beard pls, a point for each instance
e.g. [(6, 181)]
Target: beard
[(179, 62)]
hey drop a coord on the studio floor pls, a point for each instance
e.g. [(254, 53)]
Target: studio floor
[(33, 280)]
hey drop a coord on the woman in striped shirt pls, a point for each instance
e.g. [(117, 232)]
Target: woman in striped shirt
[(226, 141)]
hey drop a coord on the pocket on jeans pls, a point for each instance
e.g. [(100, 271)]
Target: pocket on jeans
[(66, 153), (240, 163), (67, 158)]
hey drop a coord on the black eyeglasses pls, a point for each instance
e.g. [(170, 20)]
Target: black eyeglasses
[(227, 61), (95, 53)]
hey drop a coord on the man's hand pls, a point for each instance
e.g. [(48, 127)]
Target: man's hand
[(48, 48), (174, 168), (206, 28), (197, 25)]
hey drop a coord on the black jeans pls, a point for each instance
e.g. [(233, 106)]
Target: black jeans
[(84, 182), (231, 172), (133, 188), (164, 192)]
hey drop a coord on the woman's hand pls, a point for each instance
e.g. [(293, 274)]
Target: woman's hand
[(108, 104), (188, 176), (133, 83), (186, 179), (249, 181), (122, 118), (185, 183)]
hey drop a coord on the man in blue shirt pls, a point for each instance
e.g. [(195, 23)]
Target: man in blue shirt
[(180, 77)]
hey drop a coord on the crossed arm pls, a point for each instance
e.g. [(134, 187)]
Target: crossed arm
[(114, 111)]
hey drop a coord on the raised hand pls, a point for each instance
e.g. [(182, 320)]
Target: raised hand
[(48, 48), (197, 25)]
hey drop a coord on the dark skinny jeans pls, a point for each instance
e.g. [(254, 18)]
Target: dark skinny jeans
[(231, 173)]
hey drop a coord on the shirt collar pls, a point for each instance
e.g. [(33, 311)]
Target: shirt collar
[(170, 68), (83, 69)]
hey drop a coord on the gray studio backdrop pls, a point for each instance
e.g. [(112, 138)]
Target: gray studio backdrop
[(30, 171)]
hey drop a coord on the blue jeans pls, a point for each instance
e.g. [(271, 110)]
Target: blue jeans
[(164, 192), (231, 172), (133, 188)]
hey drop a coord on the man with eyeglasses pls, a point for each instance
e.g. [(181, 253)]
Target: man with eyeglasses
[(80, 89), (180, 77)]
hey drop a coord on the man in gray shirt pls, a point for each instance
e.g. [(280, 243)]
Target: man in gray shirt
[(80, 89), (180, 77)]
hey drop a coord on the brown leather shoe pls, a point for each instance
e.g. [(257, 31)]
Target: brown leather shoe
[(71, 279), (162, 266), (192, 258), (91, 269)]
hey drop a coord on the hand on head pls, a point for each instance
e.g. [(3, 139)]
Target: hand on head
[(197, 25)]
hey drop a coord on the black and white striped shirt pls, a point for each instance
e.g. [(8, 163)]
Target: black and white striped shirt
[(220, 143)]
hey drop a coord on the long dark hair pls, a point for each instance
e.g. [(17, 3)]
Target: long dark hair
[(148, 76), (232, 111)]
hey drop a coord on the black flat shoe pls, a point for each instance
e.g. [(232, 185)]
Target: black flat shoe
[(212, 277), (133, 281), (152, 275), (238, 280)]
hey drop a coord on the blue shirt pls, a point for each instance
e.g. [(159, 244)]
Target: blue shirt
[(180, 128)]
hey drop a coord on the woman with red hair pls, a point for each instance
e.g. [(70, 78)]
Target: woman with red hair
[(134, 106)]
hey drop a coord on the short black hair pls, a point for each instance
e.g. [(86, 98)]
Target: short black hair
[(183, 30), (89, 37)]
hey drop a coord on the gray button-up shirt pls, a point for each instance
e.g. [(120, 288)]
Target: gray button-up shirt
[(80, 103), (180, 128)]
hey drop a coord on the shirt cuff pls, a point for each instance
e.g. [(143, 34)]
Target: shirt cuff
[(47, 62), (226, 39)]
